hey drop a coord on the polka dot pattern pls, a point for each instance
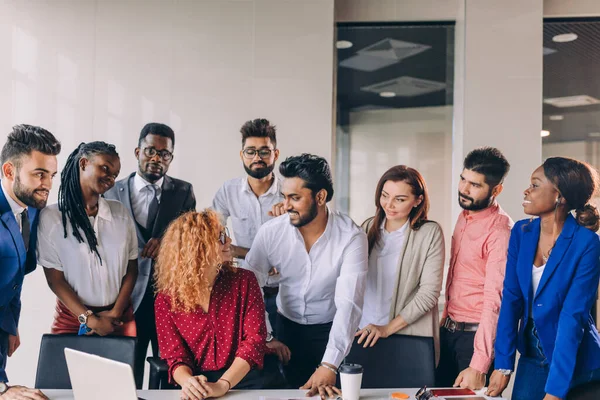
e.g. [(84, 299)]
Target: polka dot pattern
[(234, 326)]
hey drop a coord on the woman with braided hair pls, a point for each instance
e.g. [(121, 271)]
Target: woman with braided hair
[(88, 247)]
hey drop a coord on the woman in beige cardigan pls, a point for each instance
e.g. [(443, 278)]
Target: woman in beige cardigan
[(406, 261)]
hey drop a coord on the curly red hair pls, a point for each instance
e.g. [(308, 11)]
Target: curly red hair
[(188, 250)]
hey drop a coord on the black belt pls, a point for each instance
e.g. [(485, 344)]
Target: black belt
[(453, 326)]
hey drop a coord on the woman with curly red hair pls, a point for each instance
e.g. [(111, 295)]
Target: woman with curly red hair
[(209, 314)]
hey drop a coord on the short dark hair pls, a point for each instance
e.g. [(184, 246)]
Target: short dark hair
[(27, 138), (489, 162), (156, 128), (313, 170), (576, 182), (259, 127)]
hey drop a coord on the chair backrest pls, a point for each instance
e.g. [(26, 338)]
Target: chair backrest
[(397, 361), (52, 372)]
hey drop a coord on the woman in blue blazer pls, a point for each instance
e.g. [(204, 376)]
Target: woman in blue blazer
[(552, 276)]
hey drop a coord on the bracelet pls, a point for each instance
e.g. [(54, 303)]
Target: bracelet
[(228, 383), (328, 367)]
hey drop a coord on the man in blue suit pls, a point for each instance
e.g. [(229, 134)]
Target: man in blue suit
[(29, 164)]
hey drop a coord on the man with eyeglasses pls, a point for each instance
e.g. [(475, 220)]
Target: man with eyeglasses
[(252, 200), (153, 200)]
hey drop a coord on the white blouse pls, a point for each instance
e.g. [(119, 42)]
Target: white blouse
[(97, 284), (382, 276), (536, 276)]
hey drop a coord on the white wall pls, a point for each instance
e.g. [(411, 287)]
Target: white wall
[(576, 149), (100, 69)]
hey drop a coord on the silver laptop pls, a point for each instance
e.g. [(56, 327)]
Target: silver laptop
[(98, 378)]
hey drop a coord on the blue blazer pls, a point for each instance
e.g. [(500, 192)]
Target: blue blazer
[(560, 307), (14, 264)]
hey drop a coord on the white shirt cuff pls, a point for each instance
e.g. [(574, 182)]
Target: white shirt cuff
[(333, 357)]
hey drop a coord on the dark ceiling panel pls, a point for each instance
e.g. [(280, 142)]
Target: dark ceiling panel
[(572, 70), (430, 64)]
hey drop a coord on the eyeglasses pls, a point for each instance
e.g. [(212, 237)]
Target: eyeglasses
[(164, 154), (223, 236), (262, 153)]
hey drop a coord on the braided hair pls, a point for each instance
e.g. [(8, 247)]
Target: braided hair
[(70, 197)]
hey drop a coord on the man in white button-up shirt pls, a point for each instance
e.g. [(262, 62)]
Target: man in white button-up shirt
[(321, 256), (249, 200)]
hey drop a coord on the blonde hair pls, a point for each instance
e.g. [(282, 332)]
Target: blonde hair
[(188, 250)]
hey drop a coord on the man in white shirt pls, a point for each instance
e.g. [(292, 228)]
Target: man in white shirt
[(248, 200), (153, 200), (321, 256), (28, 160)]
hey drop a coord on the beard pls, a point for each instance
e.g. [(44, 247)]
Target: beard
[(476, 205), (27, 195), (261, 172), (305, 219), (153, 176)]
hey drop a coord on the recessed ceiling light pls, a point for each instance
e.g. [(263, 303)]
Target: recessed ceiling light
[(387, 94), (594, 134), (564, 37), (556, 117), (545, 133), (343, 44)]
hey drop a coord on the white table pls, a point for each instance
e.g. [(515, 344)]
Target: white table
[(365, 394)]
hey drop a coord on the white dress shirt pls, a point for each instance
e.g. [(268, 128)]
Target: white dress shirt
[(14, 207), (141, 197), (236, 199), (382, 277), (96, 284), (319, 287)]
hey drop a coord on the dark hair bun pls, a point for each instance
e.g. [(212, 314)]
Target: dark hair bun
[(588, 217)]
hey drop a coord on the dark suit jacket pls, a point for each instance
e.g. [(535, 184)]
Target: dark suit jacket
[(560, 307), (177, 197), (15, 263)]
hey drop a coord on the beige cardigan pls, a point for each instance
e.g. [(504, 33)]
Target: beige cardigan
[(419, 281)]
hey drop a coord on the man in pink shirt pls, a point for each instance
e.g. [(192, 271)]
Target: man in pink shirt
[(476, 273)]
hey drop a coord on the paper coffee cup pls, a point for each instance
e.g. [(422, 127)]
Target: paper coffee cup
[(351, 379)]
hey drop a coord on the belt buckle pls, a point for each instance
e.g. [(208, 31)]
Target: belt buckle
[(450, 325)]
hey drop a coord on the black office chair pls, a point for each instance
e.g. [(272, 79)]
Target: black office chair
[(159, 378), (52, 370), (397, 361)]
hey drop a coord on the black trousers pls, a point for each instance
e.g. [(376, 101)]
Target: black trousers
[(307, 344), (456, 351), (146, 334)]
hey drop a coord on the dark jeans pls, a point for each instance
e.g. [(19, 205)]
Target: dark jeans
[(146, 334), (307, 344), (456, 351), (533, 369), (3, 355)]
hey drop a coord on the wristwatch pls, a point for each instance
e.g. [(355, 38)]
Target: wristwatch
[(3, 388), (270, 337), (84, 317), (505, 372)]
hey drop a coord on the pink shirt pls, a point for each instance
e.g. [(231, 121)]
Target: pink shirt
[(476, 277)]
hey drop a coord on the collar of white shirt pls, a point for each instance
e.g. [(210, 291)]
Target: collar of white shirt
[(274, 189), (397, 232), (16, 208), (140, 183), (104, 209)]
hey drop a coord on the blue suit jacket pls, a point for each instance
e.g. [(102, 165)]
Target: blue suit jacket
[(14, 263), (560, 307)]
